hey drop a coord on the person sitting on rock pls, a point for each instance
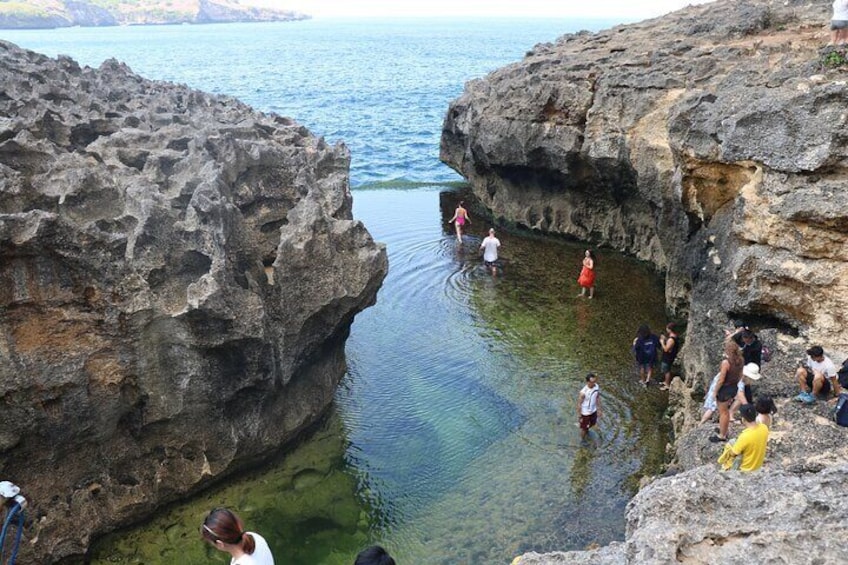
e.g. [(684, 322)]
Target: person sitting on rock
[(765, 410), (817, 376), (744, 392), (751, 443)]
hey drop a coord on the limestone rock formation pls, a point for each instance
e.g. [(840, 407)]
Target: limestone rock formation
[(712, 143), (703, 517), (714, 152), (40, 14), (178, 275)]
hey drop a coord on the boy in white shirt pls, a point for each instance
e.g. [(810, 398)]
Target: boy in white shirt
[(589, 404), (490, 247), (817, 376)]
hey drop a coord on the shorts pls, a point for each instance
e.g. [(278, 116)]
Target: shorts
[(838, 24), (649, 366), (665, 367), (587, 421), (726, 392), (491, 264), (825, 389)]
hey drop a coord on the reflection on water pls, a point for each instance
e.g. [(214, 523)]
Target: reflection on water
[(454, 436)]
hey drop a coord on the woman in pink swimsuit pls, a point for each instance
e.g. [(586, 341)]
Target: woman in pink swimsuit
[(459, 219)]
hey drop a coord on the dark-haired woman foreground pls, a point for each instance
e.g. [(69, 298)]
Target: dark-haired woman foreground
[(224, 530)]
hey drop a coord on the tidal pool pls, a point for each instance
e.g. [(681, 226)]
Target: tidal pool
[(453, 437)]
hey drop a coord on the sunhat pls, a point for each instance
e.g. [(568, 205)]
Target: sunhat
[(752, 371)]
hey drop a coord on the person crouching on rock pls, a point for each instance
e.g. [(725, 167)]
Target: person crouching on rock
[(817, 376), (224, 531), (751, 443)]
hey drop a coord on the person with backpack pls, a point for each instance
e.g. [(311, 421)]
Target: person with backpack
[(645, 348)]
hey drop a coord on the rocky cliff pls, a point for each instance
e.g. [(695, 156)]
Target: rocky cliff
[(178, 274), (40, 14), (712, 143)]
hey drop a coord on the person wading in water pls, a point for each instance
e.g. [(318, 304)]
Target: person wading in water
[(460, 217)]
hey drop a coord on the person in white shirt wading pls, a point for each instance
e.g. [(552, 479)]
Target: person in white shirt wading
[(589, 404), (490, 251)]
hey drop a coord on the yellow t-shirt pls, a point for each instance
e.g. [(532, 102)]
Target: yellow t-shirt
[(751, 445)]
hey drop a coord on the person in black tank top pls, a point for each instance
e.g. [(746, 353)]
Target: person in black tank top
[(670, 343)]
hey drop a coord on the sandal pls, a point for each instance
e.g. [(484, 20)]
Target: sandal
[(717, 439)]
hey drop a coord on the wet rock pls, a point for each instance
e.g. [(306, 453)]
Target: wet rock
[(178, 275), (707, 516), (709, 142)]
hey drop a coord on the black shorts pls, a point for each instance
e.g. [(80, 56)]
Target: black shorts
[(726, 392), (825, 387), (588, 420)]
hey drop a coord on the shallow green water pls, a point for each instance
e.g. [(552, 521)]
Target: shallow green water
[(453, 437)]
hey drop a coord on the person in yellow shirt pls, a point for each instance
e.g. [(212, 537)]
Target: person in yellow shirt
[(751, 443)]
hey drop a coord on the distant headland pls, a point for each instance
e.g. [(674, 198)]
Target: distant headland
[(47, 14)]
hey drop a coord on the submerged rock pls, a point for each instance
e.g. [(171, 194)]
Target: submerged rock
[(178, 275), (711, 143)]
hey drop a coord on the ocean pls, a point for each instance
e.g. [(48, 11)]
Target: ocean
[(452, 438)]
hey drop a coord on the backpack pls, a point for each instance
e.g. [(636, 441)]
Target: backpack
[(842, 375), (840, 413), (649, 349)]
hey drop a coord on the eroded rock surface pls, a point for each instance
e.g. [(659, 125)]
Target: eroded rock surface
[(712, 143), (178, 274)]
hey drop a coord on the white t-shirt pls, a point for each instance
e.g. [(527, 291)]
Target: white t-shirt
[(261, 555), (590, 399), (826, 367), (840, 10), (490, 248)]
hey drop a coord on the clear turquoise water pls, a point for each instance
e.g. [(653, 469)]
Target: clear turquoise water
[(453, 437)]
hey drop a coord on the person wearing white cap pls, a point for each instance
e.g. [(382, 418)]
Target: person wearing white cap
[(750, 373)]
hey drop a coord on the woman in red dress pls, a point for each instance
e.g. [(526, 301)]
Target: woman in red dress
[(587, 274)]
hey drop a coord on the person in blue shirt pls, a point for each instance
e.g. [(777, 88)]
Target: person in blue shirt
[(645, 348)]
